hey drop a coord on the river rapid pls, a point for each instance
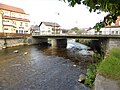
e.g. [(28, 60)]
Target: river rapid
[(43, 68)]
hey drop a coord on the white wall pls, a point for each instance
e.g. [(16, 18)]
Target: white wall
[(105, 31), (45, 29)]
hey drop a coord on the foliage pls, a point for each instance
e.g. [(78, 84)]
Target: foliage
[(77, 30), (112, 7), (92, 69), (91, 74), (97, 57), (111, 65)]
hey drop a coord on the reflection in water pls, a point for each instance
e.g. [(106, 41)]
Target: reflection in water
[(42, 68)]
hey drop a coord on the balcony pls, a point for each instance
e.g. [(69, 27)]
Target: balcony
[(9, 24)]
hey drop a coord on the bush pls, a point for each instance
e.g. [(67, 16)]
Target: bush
[(91, 73)]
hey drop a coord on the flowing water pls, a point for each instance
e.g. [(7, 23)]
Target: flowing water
[(43, 68)]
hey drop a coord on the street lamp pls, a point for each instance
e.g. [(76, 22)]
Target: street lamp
[(57, 13)]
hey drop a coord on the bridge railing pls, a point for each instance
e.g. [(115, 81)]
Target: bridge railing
[(13, 35), (67, 34), (39, 34)]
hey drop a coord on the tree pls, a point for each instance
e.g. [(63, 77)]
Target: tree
[(77, 30), (110, 6)]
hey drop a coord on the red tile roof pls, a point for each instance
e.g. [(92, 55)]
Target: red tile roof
[(11, 8), (19, 19)]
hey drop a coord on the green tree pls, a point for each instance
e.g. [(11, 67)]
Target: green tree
[(112, 7), (77, 30)]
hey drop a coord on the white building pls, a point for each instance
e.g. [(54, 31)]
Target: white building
[(49, 28), (113, 30)]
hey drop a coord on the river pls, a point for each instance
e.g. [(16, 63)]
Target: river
[(43, 68)]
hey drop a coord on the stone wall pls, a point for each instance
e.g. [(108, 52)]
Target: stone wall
[(102, 83), (113, 43), (103, 45), (1, 43), (107, 44), (10, 42)]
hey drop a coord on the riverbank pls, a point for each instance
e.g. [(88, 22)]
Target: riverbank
[(13, 41), (108, 73)]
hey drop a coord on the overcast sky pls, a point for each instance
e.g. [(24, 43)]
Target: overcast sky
[(47, 10)]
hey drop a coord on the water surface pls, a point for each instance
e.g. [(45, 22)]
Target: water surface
[(42, 68)]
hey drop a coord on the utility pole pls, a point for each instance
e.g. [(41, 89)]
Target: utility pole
[(57, 13)]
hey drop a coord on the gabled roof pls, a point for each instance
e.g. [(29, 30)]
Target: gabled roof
[(11, 8), (50, 24)]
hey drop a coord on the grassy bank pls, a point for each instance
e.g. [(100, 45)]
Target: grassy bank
[(110, 67)]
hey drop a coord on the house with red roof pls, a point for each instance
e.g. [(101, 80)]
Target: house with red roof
[(13, 20)]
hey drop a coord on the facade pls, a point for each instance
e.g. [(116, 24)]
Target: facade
[(13, 20), (113, 29), (50, 28)]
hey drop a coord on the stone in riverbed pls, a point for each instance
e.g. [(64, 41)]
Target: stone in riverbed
[(82, 78), (16, 51)]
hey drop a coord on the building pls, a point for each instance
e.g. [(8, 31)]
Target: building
[(113, 29), (50, 28), (35, 29), (13, 20)]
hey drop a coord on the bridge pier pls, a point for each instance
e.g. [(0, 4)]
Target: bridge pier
[(60, 43), (33, 41), (113, 43), (108, 43)]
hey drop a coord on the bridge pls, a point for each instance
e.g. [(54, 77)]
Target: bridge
[(106, 42), (76, 36)]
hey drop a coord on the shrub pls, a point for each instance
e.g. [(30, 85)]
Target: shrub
[(91, 73)]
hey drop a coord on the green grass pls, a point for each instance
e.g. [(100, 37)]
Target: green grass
[(110, 67)]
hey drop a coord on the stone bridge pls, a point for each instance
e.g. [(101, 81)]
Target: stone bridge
[(106, 42)]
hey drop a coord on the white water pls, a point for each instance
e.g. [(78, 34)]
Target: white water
[(78, 48)]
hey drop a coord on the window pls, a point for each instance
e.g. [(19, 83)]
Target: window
[(21, 27), (49, 31), (5, 28), (5, 20), (112, 32), (20, 31), (16, 31), (100, 32), (21, 23), (6, 13), (13, 15), (14, 22), (95, 32), (117, 32), (20, 16), (26, 24)]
